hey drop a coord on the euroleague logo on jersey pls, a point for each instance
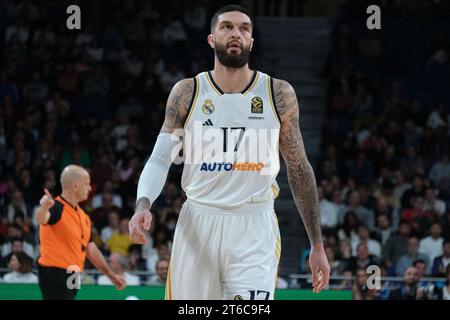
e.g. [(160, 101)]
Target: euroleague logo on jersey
[(257, 105)]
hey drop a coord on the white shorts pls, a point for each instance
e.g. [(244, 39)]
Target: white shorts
[(224, 254)]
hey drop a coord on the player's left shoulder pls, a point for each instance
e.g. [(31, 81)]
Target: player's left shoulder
[(282, 87), (284, 96)]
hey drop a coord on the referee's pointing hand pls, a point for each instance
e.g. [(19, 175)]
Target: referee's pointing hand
[(47, 201)]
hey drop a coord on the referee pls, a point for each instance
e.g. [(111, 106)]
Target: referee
[(65, 238)]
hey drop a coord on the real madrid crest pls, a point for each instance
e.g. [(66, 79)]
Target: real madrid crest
[(208, 106), (257, 105)]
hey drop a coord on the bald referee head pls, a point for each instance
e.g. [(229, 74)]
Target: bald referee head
[(75, 183)]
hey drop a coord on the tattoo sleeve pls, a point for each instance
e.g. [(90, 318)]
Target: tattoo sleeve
[(176, 111), (299, 171), (178, 105)]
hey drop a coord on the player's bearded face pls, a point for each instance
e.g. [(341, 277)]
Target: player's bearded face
[(232, 58)]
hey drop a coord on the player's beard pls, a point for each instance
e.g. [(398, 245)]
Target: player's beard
[(232, 60)]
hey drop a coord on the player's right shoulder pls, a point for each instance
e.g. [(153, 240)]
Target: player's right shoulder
[(184, 88), (178, 104)]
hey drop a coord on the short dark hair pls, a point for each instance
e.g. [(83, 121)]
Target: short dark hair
[(229, 8), (25, 262), (417, 261)]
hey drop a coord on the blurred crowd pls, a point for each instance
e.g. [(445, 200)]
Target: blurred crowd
[(384, 177), (94, 97)]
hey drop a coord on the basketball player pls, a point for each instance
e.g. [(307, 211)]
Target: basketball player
[(227, 241)]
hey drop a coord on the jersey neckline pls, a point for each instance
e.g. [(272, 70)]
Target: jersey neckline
[(245, 91)]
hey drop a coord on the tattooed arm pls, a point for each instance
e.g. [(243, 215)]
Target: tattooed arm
[(153, 176), (301, 178), (178, 105)]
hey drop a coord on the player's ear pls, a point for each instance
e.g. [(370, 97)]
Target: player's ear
[(251, 43), (211, 40)]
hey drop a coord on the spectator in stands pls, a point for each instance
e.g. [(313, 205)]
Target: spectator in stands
[(328, 211), (349, 230), (413, 254), (120, 266), (373, 246), (337, 266), (170, 77), (16, 247), (162, 252), (411, 162), (17, 206), (345, 250), (417, 217), (160, 278), (69, 79), (131, 107), (100, 215), (137, 262), (108, 189), (421, 268), (364, 215), (15, 232), (360, 291), (363, 170), (347, 283), (36, 90), (408, 290), (440, 171), (417, 190), (441, 263), (382, 207), (119, 242), (397, 245), (173, 31), (432, 203), (432, 245), (20, 265), (445, 222), (112, 227), (444, 292), (368, 200), (362, 259), (102, 169), (401, 185), (384, 229)]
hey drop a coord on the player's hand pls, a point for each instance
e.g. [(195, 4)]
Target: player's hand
[(47, 201), (319, 267), (140, 220), (118, 281)]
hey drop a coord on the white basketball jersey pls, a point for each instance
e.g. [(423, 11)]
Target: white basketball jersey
[(230, 146)]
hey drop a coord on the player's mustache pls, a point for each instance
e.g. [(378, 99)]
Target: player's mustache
[(234, 43)]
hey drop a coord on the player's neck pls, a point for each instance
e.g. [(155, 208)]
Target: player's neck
[(231, 80)]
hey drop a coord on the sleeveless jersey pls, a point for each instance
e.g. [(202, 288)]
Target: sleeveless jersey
[(230, 143)]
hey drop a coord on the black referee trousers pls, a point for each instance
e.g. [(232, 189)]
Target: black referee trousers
[(53, 284)]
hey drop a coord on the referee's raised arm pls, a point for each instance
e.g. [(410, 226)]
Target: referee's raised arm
[(46, 202)]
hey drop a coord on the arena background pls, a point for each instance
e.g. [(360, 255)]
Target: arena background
[(373, 114)]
